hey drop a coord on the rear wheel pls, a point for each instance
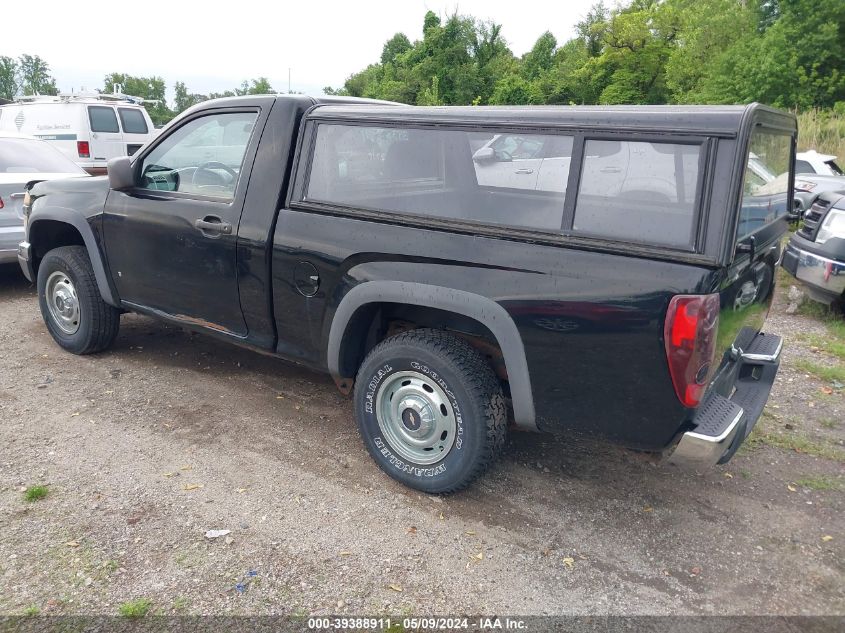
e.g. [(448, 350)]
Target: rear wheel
[(430, 410), (74, 311)]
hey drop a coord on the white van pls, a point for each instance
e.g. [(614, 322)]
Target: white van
[(89, 129)]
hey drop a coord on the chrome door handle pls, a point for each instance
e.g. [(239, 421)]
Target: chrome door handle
[(611, 170), (524, 171)]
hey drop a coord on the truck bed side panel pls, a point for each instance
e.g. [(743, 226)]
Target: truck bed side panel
[(591, 323)]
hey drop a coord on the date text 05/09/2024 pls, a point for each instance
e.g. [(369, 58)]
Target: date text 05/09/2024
[(418, 624)]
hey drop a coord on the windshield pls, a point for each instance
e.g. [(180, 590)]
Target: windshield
[(31, 156)]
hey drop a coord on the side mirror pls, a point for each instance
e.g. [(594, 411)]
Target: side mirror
[(484, 155), (120, 173)]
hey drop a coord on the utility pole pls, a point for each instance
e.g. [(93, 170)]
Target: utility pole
[(288, 79)]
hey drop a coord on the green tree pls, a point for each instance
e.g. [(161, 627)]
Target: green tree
[(243, 89), (493, 59), (260, 86), (34, 76), (150, 89), (466, 56), (8, 77), (183, 99), (515, 90), (394, 47), (218, 95), (561, 85), (798, 61), (430, 21), (591, 29), (430, 96), (789, 53), (365, 82), (637, 41), (540, 58), (707, 29)]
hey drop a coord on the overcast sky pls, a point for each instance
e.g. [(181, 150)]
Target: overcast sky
[(212, 46)]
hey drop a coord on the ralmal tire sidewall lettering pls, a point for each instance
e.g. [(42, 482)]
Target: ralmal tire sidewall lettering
[(455, 459)]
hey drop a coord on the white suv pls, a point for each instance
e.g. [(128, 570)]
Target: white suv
[(811, 162)]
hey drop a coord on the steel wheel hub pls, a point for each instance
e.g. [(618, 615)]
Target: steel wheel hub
[(62, 302), (415, 417)]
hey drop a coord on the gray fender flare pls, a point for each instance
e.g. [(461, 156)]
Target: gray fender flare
[(484, 310), (73, 218)]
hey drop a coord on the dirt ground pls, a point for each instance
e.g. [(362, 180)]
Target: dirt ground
[(146, 447)]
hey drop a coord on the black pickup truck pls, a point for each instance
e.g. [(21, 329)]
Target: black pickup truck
[(461, 270)]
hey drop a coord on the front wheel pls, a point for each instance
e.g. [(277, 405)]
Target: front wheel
[(430, 410), (74, 311)]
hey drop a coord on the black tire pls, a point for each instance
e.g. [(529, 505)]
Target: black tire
[(472, 391), (98, 322)]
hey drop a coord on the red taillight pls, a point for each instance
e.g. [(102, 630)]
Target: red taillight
[(689, 333), (83, 149), (1, 203)]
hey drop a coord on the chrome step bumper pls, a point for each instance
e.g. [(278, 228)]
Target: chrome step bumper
[(722, 423), (719, 423)]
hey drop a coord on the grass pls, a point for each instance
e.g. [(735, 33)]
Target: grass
[(825, 372), (816, 310), (829, 423), (31, 611), (823, 131), (833, 341), (828, 345), (180, 603), (794, 442), (34, 493), (836, 327), (821, 482), (135, 608)]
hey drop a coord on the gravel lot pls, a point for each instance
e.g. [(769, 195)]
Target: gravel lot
[(145, 448)]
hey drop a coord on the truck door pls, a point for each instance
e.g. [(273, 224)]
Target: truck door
[(171, 240)]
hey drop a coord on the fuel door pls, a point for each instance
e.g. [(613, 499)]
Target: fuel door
[(306, 279)]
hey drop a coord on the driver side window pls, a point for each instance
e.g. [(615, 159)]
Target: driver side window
[(203, 157)]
